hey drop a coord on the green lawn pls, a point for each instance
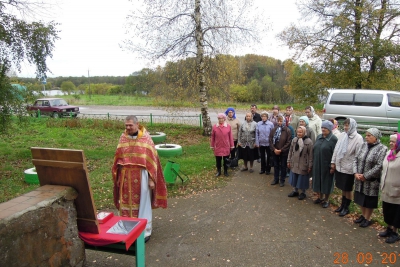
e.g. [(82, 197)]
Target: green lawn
[(129, 100), (98, 139)]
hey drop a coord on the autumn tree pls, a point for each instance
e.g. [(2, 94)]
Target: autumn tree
[(177, 29), (68, 87), (305, 83), (354, 42), (21, 40)]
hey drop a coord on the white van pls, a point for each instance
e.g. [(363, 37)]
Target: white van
[(370, 108)]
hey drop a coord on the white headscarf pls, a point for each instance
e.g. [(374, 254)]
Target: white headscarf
[(344, 141)]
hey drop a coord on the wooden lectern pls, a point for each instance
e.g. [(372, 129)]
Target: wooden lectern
[(68, 168)]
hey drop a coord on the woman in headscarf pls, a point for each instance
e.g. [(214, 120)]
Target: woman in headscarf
[(390, 190), (315, 121), (303, 121), (335, 129), (221, 142), (235, 125), (300, 161), (322, 173), (279, 142), (342, 162), (367, 169), (246, 142)]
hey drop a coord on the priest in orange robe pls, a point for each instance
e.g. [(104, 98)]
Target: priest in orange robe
[(139, 184)]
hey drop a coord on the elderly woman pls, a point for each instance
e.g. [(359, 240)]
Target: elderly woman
[(390, 190), (342, 163), (246, 142), (367, 169), (300, 161), (279, 142), (303, 121), (315, 121), (322, 173), (335, 129), (235, 125), (221, 142)]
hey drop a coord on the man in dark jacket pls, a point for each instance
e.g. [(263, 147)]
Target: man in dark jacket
[(279, 142), (256, 116)]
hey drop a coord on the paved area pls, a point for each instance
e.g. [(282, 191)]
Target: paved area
[(251, 223)]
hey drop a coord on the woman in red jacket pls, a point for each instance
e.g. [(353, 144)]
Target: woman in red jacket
[(221, 142)]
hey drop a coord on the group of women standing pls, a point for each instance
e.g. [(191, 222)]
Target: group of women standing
[(328, 157)]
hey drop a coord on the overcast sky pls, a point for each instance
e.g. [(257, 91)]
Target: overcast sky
[(91, 31)]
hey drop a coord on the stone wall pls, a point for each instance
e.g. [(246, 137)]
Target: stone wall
[(39, 229)]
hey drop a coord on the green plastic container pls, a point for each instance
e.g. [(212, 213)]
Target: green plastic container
[(171, 171), (31, 176)]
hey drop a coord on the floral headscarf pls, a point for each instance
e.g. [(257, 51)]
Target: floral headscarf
[(231, 109), (393, 152)]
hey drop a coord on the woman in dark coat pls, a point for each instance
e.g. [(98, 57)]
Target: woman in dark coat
[(322, 173), (300, 161), (279, 142), (367, 169)]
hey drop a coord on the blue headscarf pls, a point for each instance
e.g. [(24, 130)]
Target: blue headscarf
[(231, 109), (305, 119)]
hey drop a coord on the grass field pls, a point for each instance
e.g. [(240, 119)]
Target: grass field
[(122, 100), (98, 139)]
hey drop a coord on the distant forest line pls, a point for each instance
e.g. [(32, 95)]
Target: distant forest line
[(249, 78)]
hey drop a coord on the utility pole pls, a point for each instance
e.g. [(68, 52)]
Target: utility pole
[(90, 93)]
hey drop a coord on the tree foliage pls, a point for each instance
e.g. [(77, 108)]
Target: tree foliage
[(177, 29), (355, 43), (68, 87), (21, 40), (229, 79)]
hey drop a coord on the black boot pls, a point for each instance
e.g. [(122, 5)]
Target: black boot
[(345, 209), (218, 172), (386, 233), (226, 171), (342, 205)]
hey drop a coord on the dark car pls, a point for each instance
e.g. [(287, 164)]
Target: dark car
[(54, 107)]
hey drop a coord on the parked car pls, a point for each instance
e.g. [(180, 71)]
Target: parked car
[(370, 108), (54, 107)]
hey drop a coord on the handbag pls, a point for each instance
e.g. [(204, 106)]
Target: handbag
[(234, 161)]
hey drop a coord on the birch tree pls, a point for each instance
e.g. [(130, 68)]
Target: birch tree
[(176, 29), (21, 39)]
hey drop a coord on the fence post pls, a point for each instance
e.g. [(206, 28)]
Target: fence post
[(108, 115), (38, 112), (151, 119), (201, 123)]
